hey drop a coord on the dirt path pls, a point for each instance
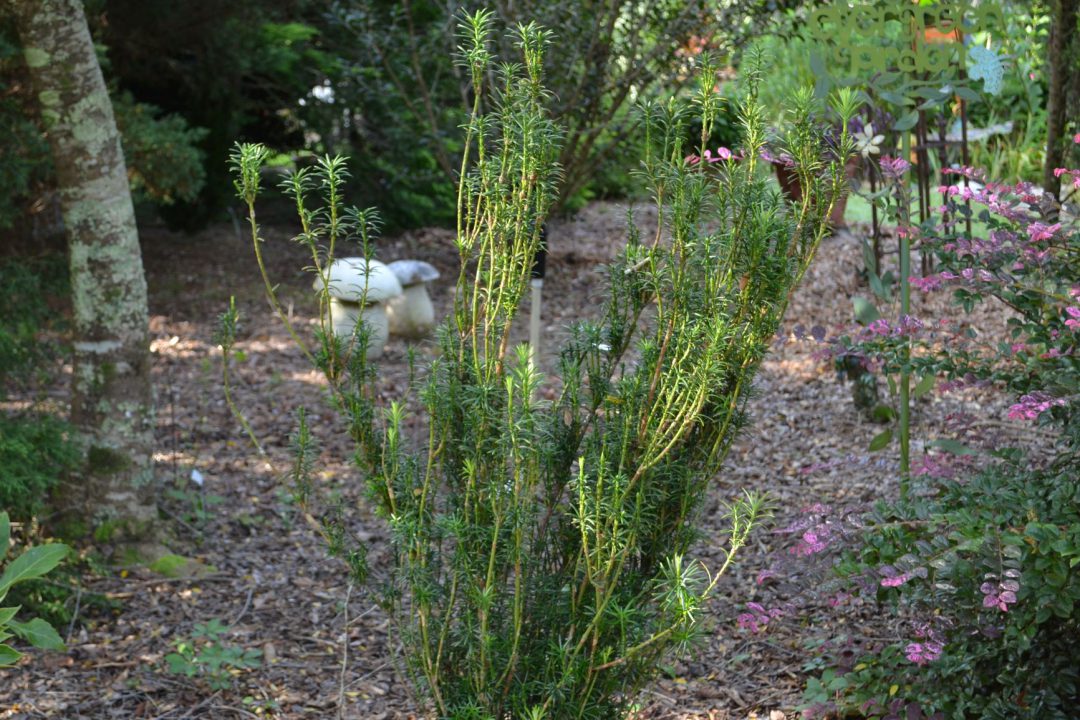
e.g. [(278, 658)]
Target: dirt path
[(271, 580)]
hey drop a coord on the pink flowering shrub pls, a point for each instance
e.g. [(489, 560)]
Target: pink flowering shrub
[(977, 570)]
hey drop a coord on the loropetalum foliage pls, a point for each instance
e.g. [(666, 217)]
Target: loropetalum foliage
[(540, 545), (978, 564)]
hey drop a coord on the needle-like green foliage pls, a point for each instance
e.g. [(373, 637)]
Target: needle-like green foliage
[(541, 545)]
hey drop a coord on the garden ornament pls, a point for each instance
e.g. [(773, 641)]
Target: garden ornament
[(359, 290), (411, 314)]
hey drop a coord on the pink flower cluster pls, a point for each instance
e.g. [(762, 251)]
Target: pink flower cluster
[(998, 242), (1032, 406), (1001, 594), (757, 618), (815, 531), (924, 652), (895, 578), (909, 231), (1073, 320), (881, 327), (930, 646), (936, 281), (722, 154), (811, 542), (1041, 231), (970, 173), (894, 167), (1074, 174), (926, 284), (1008, 201)]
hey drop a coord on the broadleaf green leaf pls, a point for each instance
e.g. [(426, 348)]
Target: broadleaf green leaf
[(881, 440), (925, 385), (953, 446), (865, 312), (906, 121), (8, 655), (33, 563), (6, 614), (39, 633), (968, 94)]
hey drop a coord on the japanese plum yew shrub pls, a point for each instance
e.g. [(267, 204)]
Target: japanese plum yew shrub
[(540, 544), (979, 561)]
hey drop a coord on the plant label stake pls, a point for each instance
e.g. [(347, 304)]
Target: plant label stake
[(536, 285)]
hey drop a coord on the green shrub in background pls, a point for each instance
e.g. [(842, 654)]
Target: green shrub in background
[(409, 100), (24, 163), (236, 68), (540, 545), (412, 100), (35, 447), (1020, 153), (185, 80), (28, 284), (165, 164), (35, 452), (1020, 43)]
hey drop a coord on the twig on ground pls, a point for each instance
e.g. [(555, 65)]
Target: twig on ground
[(238, 711), (344, 655), (368, 674), (74, 614), (247, 604)]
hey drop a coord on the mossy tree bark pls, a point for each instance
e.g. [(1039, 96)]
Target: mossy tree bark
[(112, 400), (1064, 45)]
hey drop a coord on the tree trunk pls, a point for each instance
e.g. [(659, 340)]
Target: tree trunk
[(111, 395), (1059, 58)]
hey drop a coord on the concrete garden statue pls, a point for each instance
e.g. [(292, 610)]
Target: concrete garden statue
[(411, 314), (359, 290)]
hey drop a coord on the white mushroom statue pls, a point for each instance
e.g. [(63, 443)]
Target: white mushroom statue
[(412, 315), (352, 281)]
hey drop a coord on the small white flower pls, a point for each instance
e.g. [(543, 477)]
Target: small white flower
[(867, 143), (603, 347), (197, 477)]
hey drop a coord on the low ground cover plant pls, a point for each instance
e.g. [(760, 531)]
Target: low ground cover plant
[(541, 566), (205, 655)]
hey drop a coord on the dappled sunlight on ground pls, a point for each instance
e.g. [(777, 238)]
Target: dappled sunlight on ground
[(281, 594)]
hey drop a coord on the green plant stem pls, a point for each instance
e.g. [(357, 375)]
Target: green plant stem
[(240, 417), (905, 309), (270, 293)]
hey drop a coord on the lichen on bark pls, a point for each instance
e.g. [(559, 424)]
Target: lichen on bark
[(112, 399)]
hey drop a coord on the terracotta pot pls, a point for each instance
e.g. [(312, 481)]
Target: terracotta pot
[(792, 188)]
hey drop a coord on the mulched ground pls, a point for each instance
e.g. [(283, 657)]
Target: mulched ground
[(326, 648)]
